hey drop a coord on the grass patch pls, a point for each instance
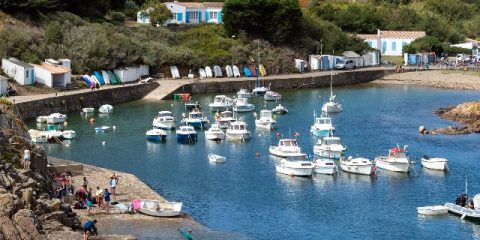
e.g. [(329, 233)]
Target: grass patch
[(398, 60)]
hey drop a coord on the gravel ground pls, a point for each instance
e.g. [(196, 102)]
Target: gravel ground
[(462, 80)]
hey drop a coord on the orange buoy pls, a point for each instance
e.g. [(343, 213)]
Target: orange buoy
[(92, 120)]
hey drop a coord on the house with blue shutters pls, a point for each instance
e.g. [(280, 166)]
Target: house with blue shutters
[(390, 43), (190, 13)]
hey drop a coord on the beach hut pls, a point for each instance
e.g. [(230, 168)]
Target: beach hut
[(300, 65), (3, 85), (315, 62), (350, 55), (52, 75), (21, 72), (130, 74)]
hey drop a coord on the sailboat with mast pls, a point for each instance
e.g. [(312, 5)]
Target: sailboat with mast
[(332, 106), (259, 90)]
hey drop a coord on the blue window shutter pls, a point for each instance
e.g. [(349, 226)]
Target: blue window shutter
[(187, 17), (207, 16), (199, 16), (394, 46), (384, 47), (179, 17), (219, 17)]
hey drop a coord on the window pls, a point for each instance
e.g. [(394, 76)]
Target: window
[(193, 15), (213, 15), (370, 43), (394, 46), (27, 73)]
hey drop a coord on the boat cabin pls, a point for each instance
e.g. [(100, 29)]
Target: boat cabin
[(397, 153), (195, 114), (265, 114), (164, 114), (186, 129), (191, 105), (242, 101), (297, 158), (331, 140), (219, 99), (323, 121), (226, 114), (288, 143), (238, 126)]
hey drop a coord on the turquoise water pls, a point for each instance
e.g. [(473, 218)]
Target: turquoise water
[(246, 195)]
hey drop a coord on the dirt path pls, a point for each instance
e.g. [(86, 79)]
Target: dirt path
[(461, 80)]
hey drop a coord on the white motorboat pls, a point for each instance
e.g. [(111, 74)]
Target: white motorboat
[(196, 119), (432, 210), (461, 207), (186, 134), (159, 209), (37, 136), (272, 96), (266, 120), (332, 106), (244, 93), (238, 131), (396, 161), (156, 135), (295, 166), (69, 134), (192, 105), (56, 118), (216, 158), (221, 103), (103, 129), (107, 108), (322, 126), (286, 147), (164, 120), (242, 105), (42, 119), (357, 165), (324, 166), (215, 133), (435, 163), (88, 110), (224, 119), (280, 109), (329, 147), (259, 91)]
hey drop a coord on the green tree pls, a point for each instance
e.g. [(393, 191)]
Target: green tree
[(157, 12), (53, 33), (273, 20), (425, 44)]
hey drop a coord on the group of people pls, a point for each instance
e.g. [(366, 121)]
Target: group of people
[(463, 201)]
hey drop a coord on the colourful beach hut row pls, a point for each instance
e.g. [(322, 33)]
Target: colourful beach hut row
[(230, 71), (101, 77), (419, 58)]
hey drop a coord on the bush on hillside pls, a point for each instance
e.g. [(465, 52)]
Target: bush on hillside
[(118, 17)]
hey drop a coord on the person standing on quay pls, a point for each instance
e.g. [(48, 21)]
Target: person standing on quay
[(106, 195), (26, 159), (113, 185)]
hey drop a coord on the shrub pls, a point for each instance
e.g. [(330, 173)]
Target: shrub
[(117, 17)]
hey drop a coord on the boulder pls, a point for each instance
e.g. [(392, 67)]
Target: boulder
[(9, 204), (27, 196), (56, 204), (27, 225), (7, 228)]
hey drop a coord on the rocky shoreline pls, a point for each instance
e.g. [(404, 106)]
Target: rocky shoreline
[(468, 114)]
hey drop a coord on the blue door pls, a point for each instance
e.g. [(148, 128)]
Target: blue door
[(384, 47)]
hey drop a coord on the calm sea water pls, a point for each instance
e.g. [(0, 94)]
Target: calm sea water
[(246, 195)]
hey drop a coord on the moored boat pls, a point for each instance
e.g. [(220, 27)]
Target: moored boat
[(157, 208), (69, 134), (186, 134), (324, 166), (221, 103), (215, 133), (432, 210), (280, 109), (332, 106), (216, 158), (286, 147), (266, 120), (272, 96), (224, 119), (242, 105), (164, 120), (106, 108), (42, 119), (396, 161), (156, 135), (329, 147), (103, 129), (88, 110), (260, 90), (238, 131), (439, 164), (244, 93), (196, 119), (56, 118), (322, 126), (357, 165), (295, 166)]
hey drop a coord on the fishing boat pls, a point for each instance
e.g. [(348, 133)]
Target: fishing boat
[(286, 147), (432, 210), (295, 166), (396, 161), (107, 108), (329, 147), (196, 119), (242, 105), (103, 129), (216, 158), (221, 103), (272, 96), (324, 166), (186, 134), (42, 119), (266, 120), (244, 93), (69, 134), (357, 165), (164, 120), (37, 136), (157, 208), (322, 126), (156, 135), (238, 131), (56, 118), (215, 133), (88, 110), (280, 109), (332, 106), (224, 119), (439, 164)]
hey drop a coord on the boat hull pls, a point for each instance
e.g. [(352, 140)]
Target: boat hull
[(243, 108), (187, 138), (215, 136), (219, 108), (432, 210), (328, 153), (69, 134), (357, 169), (320, 132), (331, 108), (54, 120), (435, 165), (265, 125), (164, 124), (238, 136), (155, 137), (325, 169), (463, 211), (300, 172), (392, 166), (196, 124)]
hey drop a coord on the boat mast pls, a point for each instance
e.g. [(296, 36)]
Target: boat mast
[(257, 65), (331, 73), (466, 184)]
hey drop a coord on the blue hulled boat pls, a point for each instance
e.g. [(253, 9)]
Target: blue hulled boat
[(156, 135), (186, 134)]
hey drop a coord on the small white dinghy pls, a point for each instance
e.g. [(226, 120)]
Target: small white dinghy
[(435, 163), (216, 158), (105, 108), (88, 110), (159, 209), (432, 210)]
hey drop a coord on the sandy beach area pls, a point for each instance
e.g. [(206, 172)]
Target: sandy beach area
[(461, 80), (134, 226)]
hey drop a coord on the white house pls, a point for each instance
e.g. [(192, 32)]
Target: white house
[(468, 44), (390, 43), (21, 72), (190, 13), (54, 73), (3, 85)]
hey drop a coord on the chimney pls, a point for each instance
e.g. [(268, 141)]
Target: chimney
[(379, 40)]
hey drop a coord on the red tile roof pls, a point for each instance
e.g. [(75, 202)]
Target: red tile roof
[(394, 35), (53, 69), (200, 4), (213, 4)]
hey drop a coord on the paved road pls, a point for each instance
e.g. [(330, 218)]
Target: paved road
[(169, 85)]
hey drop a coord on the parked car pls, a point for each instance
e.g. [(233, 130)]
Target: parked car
[(348, 64)]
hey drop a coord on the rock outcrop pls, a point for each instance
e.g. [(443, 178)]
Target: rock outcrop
[(26, 209), (468, 114)]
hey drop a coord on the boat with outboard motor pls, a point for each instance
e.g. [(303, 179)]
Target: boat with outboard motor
[(164, 120)]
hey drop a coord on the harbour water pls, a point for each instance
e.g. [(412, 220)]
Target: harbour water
[(246, 195)]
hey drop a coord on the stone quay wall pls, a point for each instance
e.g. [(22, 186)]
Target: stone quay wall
[(75, 102), (339, 79)]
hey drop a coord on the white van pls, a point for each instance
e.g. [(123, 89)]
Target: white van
[(346, 64)]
